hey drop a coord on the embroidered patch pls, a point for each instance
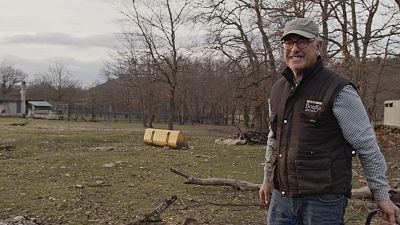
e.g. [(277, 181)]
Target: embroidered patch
[(313, 106)]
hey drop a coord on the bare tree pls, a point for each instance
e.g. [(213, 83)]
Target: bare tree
[(133, 70), (365, 28), (60, 79), (245, 33), (55, 85), (40, 88), (157, 24), (375, 90), (243, 53), (9, 77)]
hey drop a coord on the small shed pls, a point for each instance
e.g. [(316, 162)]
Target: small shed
[(41, 109), (391, 113)]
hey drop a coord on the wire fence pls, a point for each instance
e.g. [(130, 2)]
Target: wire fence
[(80, 112)]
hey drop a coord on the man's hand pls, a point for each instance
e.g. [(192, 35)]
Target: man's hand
[(265, 193), (389, 212)]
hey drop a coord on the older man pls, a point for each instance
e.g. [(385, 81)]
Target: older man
[(317, 122)]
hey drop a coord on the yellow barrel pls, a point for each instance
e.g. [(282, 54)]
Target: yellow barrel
[(159, 137)]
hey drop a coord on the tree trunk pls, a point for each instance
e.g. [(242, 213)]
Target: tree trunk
[(171, 108), (257, 118), (142, 108), (203, 111), (264, 116), (181, 113), (233, 110), (246, 117), (151, 119), (226, 115), (150, 111), (324, 13)]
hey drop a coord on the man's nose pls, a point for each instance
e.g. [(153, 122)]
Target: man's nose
[(295, 46)]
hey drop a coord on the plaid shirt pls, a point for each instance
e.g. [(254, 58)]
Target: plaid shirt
[(357, 130)]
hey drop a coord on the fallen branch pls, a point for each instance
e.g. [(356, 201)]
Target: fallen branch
[(155, 215), (395, 195), (240, 130), (237, 184), (237, 204), (359, 193), (7, 147)]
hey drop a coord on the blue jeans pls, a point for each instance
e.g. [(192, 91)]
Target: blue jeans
[(326, 209)]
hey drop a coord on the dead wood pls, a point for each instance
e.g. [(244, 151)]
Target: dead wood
[(359, 193), (230, 204), (7, 147), (190, 221), (253, 137), (395, 195), (365, 193), (240, 130), (237, 184), (155, 215)]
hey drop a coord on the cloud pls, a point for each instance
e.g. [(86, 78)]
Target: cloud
[(85, 72), (106, 40)]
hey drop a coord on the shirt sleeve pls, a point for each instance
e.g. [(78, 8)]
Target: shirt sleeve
[(268, 151), (357, 130)]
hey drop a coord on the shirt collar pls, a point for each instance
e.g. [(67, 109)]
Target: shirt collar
[(307, 73)]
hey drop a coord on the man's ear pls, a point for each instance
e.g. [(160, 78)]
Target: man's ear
[(319, 46)]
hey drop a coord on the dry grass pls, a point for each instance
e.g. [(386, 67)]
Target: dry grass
[(55, 173)]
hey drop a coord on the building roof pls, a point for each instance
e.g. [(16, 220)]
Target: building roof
[(9, 98), (40, 103)]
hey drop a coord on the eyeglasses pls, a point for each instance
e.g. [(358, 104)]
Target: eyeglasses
[(301, 43)]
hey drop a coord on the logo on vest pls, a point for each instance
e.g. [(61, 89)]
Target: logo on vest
[(313, 106)]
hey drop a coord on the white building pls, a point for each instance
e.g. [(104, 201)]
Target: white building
[(10, 105), (391, 113), (13, 104)]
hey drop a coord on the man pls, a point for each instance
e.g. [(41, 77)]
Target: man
[(317, 122)]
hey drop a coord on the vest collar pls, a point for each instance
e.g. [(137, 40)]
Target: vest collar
[(307, 74)]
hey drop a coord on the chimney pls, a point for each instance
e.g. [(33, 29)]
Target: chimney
[(23, 98)]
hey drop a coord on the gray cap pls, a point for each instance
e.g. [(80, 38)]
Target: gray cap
[(301, 26)]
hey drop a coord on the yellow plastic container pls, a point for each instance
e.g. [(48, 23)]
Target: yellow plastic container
[(159, 137)]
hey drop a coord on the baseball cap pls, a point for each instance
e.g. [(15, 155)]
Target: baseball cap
[(302, 26)]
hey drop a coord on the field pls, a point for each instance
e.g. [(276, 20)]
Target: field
[(61, 173)]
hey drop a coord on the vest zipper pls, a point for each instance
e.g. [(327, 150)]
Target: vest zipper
[(287, 155), (289, 124)]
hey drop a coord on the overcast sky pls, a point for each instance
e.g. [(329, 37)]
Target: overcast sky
[(78, 33)]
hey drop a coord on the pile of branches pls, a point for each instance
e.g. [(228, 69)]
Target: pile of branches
[(253, 137)]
